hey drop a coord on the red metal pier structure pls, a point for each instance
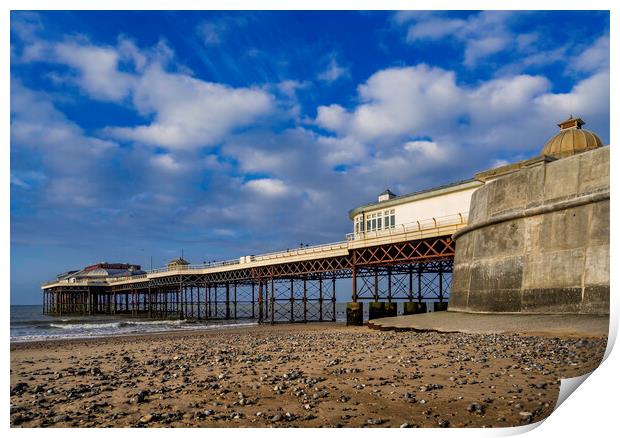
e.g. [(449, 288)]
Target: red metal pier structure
[(392, 256), (409, 263)]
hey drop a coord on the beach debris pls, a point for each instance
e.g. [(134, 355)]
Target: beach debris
[(19, 388), (478, 408)]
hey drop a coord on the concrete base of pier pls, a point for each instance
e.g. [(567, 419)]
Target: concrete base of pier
[(414, 308), (355, 314), (488, 323)]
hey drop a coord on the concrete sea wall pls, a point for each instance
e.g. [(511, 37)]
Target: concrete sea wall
[(538, 240)]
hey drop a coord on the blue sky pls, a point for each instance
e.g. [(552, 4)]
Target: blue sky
[(138, 134)]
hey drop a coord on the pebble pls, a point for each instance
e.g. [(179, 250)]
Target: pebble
[(146, 419), (239, 369)]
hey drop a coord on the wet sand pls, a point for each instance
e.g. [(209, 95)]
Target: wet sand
[(314, 375)]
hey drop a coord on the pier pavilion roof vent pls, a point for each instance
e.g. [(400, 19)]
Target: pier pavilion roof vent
[(386, 195), (572, 139), (179, 263)]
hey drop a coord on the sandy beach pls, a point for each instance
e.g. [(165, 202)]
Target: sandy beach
[(314, 375)]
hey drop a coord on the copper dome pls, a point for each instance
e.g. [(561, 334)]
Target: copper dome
[(571, 139)]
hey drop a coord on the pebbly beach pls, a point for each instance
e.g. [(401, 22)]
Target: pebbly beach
[(312, 375)]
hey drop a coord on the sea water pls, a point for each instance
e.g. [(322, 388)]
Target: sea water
[(28, 323)]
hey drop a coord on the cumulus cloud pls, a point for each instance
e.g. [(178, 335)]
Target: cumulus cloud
[(188, 112), (399, 104), (36, 124), (71, 161), (398, 100), (425, 149), (185, 112), (98, 68), (434, 29), (333, 117), (268, 187), (95, 69), (166, 162)]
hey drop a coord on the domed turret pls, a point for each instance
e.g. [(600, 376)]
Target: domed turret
[(571, 139)]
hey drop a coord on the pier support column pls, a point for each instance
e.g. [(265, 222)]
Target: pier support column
[(440, 284), (376, 310), (305, 300), (198, 302), (292, 303), (355, 313), (150, 301), (260, 300), (414, 308), (180, 301), (410, 294), (253, 300), (273, 301), (354, 284), (321, 299), (227, 300), (376, 296), (419, 284), (389, 277), (334, 299), (235, 300), (209, 301), (215, 300)]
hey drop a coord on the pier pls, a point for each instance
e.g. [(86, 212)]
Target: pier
[(409, 262)]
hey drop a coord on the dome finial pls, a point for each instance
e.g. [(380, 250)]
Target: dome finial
[(571, 122)]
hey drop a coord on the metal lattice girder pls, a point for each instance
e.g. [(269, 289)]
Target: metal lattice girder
[(308, 267), (404, 252)]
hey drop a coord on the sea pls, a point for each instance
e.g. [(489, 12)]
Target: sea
[(28, 323)]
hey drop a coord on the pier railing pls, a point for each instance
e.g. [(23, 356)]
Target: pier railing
[(441, 225), (434, 223)]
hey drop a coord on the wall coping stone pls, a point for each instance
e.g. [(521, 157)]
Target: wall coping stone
[(597, 196)]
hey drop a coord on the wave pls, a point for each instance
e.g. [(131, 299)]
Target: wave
[(58, 330)]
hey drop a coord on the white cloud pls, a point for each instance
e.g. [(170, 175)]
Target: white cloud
[(36, 124), (74, 165), (484, 47), (466, 123), (186, 112), (333, 117), (98, 68), (483, 34), (166, 162), (268, 187), (433, 29), (333, 71), (425, 149), (593, 58), (344, 150), (400, 100), (289, 87), (189, 113)]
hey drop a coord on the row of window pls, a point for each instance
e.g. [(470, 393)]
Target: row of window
[(381, 220)]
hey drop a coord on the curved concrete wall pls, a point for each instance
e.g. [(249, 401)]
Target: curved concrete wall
[(538, 240)]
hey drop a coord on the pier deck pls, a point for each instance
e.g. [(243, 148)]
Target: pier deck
[(410, 262)]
